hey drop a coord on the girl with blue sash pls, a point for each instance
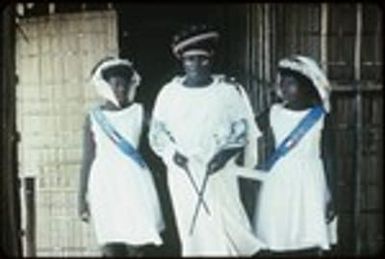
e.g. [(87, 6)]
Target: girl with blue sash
[(294, 211), (117, 191)]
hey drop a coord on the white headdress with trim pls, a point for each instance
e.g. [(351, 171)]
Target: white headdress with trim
[(103, 88), (309, 68), (195, 40)]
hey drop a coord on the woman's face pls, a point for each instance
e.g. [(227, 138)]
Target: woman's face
[(197, 67), (120, 87)]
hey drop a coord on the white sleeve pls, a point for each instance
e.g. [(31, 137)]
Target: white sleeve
[(160, 139), (253, 133), (241, 128)]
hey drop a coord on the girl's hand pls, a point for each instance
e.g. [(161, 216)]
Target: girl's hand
[(84, 212), (330, 211)]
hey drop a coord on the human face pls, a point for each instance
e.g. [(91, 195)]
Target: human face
[(197, 68), (120, 87), (290, 87)]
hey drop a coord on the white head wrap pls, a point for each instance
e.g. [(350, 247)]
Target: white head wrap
[(103, 88), (309, 68)]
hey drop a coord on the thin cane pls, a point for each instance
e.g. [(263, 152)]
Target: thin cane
[(196, 188), (195, 216), (200, 197)]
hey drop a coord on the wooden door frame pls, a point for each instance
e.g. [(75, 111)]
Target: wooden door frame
[(10, 218)]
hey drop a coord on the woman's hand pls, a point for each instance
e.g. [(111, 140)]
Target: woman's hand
[(180, 160), (216, 163), (221, 158)]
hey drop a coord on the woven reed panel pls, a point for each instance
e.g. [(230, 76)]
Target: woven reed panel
[(54, 58)]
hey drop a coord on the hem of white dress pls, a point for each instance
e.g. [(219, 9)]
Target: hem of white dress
[(299, 247), (130, 242)]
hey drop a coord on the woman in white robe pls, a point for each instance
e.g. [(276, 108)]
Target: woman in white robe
[(200, 122)]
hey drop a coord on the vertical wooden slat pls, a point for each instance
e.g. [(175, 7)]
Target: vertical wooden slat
[(358, 43), (378, 44), (359, 132), (248, 52), (259, 58), (259, 53), (324, 32), (251, 58), (267, 42), (30, 229), (272, 36)]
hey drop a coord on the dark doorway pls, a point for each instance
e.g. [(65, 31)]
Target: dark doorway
[(145, 35)]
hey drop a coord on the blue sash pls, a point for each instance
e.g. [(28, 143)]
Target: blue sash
[(293, 138), (118, 139)]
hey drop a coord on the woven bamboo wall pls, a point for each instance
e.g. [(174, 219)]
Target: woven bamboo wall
[(54, 56)]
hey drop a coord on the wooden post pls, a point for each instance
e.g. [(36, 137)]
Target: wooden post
[(10, 235), (30, 228)]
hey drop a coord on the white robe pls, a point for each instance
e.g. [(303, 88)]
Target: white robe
[(123, 200), (203, 121)]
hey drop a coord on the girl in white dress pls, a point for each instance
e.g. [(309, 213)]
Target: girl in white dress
[(116, 185), (200, 123), (294, 206)]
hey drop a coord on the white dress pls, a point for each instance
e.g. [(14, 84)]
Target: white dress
[(203, 121), (123, 200), (290, 213)]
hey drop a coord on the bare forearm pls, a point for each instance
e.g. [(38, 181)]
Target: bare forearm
[(328, 156), (83, 181), (88, 157)]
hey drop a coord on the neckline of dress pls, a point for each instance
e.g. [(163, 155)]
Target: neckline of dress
[(294, 111), (129, 108), (198, 89)]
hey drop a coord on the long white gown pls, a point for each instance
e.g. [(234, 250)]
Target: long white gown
[(122, 196), (202, 121), (291, 209)]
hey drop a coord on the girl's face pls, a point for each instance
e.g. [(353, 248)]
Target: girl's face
[(120, 87), (197, 68), (290, 87)]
